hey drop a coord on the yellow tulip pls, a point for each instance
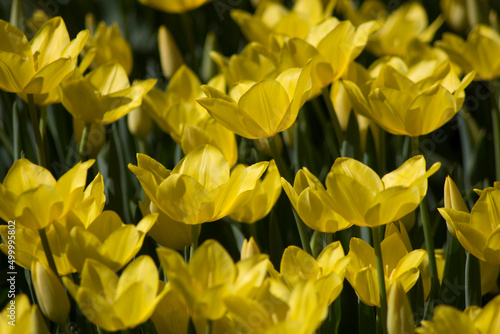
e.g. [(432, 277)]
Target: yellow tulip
[(170, 56), (400, 265), (249, 248), (38, 66), (448, 319), (264, 196), (369, 10), (27, 317), (110, 45), (50, 293), (477, 53), (211, 276), (272, 17), (31, 196), (368, 200), (327, 272), (166, 231), (453, 200), (390, 39), (455, 14), (117, 303), (200, 188), (297, 311), (478, 231), (399, 312), (313, 203), (260, 109), (107, 240), (176, 113), (174, 6), (411, 101), (139, 123), (104, 95)]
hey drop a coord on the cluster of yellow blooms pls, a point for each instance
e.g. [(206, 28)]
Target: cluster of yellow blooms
[(80, 255)]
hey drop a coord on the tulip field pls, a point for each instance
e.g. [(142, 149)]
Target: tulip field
[(250, 166)]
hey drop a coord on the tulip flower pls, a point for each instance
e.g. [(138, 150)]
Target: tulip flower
[(170, 56), (455, 13), (174, 6), (50, 293), (414, 101), (104, 95), (390, 39), (200, 188), (313, 203), (399, 265), (117, 303), (271, 17), (477, 53), (298, 311), (176, 113), (447, 319), (478, 231), (38, 66), (260, 109), (249, 248), (31, 196), (399, 313), (327, 272), (366, 199), (27, 318), (107, 240), (109, 44), (264, 196), (210, 276)]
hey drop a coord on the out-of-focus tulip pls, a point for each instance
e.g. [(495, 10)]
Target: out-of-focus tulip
[(264, 196), (174, 6), (110, 45), (411, 101), (200, 188), (368, 200), (38, 66), (31, 195), (455, 14), (117, 303), (477, 53), (139, 123), (27, 317), (170, 56), (104, 95), (50, 293), (400, 265), (249, 248), (313, 203), (260, 109), (211, 276), (447, 319), (107, 240), (478, 231)]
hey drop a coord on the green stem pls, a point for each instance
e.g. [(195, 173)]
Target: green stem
[(16, 133), (194, 239), (17, 15), (472, 281), (36, 130), (188, 29), (381, 152), (83, 141), (278, 158), (333, 116), (142, 145), (496, 137), (429, 238), (46, 248), (381, 278), (209, 326)]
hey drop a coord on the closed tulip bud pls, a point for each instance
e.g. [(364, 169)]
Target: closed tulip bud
[(399, 313), (170, 56), (178, 6), (249, 248), (139, 123), (29, 319), (453, 200), (50, 293)]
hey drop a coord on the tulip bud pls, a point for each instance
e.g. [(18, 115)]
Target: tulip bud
[(249, 248), (399, 313), (170, 56), (52, 297), (97, 136), (139, 123), (453, 200)]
